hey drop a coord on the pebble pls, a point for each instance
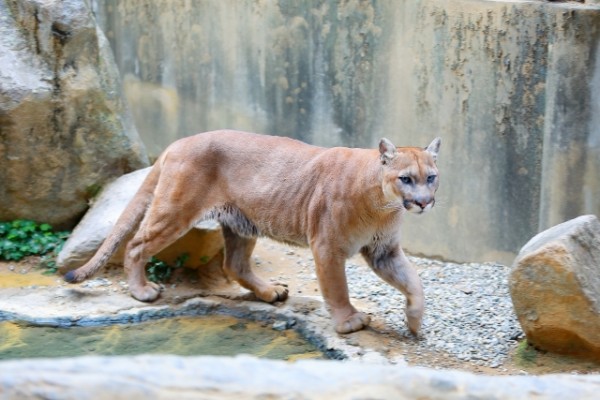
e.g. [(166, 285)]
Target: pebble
[(97, 282), (282, 325), (279, 325), (468, 310)]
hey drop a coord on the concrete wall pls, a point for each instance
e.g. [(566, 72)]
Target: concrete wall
[(512, 87)]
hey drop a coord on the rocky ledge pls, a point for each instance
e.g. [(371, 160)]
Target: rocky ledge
[(165, 377), (91, 305)]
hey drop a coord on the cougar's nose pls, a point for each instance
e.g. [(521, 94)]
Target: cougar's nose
[(421, 204)]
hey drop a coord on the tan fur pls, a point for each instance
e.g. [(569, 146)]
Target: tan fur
[(338, 201)]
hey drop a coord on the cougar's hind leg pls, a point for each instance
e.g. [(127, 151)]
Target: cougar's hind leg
[(162, 226), (237, 265), (137, 253)]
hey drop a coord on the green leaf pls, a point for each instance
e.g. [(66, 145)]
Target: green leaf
[(158, 271), (28, 226), (4, 228), (15, 256), (45, 227), (180, 261)]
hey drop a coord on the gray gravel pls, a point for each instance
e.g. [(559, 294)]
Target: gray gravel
[(468, 312)]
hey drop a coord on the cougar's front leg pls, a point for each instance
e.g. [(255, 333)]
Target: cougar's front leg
[(331, 274), (391, 264)]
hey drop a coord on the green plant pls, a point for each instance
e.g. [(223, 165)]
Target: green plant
[(48, 261), (159, 271), (22, 238), (526, 353)]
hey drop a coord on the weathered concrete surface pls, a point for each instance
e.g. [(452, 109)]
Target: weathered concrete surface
[(64, 130), (511, 87), (555, 288), (201, 244), (166, 377)]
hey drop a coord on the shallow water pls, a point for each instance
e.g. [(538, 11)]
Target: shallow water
[(212, 335)]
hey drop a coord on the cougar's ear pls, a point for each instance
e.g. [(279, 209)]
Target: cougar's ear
[(434, 148), (387, 150)]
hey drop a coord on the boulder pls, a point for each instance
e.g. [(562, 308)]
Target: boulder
[(202, 243), (555, 288), (64, 128)]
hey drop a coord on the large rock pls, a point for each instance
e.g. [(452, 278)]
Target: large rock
[(64, 129), (202, 244), (555, 288)]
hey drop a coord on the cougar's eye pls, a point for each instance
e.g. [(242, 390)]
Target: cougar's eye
[(431, 178), (405, 179)]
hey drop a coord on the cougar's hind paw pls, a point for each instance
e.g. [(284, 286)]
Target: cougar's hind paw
[(146, 293)]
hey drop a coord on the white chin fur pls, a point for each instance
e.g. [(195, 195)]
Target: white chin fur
[(415, 209)]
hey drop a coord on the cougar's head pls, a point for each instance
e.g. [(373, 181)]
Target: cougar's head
[(410, 175)]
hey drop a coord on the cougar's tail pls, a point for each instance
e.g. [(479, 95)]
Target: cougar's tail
[(127, 222)]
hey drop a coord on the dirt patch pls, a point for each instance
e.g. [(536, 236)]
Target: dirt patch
[(295, 267), (25, 274)]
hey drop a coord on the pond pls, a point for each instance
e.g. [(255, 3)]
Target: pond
[(208, 335)]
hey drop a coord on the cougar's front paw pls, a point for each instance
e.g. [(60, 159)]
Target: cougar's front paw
[(147, 293), (275, 292), (353, 323)]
